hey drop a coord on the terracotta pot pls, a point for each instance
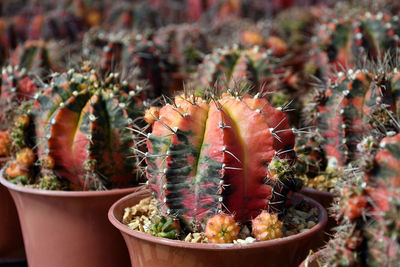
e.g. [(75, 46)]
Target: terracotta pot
[(312, 260), (11, 244), (146, 250), (67, 229)]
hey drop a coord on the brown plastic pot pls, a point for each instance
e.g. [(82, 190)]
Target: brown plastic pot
[(11, 244), (66, 229), (147, 250)]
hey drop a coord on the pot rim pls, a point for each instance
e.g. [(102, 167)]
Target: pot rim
[(311, 190), (55, 193), (322, 221)]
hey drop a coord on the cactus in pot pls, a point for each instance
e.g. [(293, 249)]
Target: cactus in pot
[(207, 156), (81, 131), (368, 210)]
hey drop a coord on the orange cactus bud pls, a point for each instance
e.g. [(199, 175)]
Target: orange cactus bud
[(26, 157), (151, 114), (222, 228), (267, 226), (14, 170)]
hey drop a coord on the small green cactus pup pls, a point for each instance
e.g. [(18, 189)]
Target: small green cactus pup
[(368, 211), (207, 156), (166, 227), (346, 41)]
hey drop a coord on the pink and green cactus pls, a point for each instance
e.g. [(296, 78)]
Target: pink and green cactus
[(368, 211), (233, 65), (355, 103), (348, 40), (206, 156), (81, 127)]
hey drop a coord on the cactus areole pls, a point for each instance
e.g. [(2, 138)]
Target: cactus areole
[(82, 124), (205, 157)]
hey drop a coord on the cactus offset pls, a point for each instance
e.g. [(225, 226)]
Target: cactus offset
[(222, 228), (208, 156)]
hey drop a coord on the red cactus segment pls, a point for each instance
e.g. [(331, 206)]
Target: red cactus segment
[(220, 171), (157, 145), (205, 157), (17, 86), (257, 143), (277, 122), (62, 138), (332, 127)]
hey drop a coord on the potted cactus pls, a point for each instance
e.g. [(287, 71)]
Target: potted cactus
[(71, 145), (355, 103), (367, 210), (214, 166), (17, 85)]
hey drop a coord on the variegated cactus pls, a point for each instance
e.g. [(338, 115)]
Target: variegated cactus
[(82, 136), (349, 40), (368, 211), (40, 56), (355, 103), (17, 85), (254, 66), (206, 156)]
